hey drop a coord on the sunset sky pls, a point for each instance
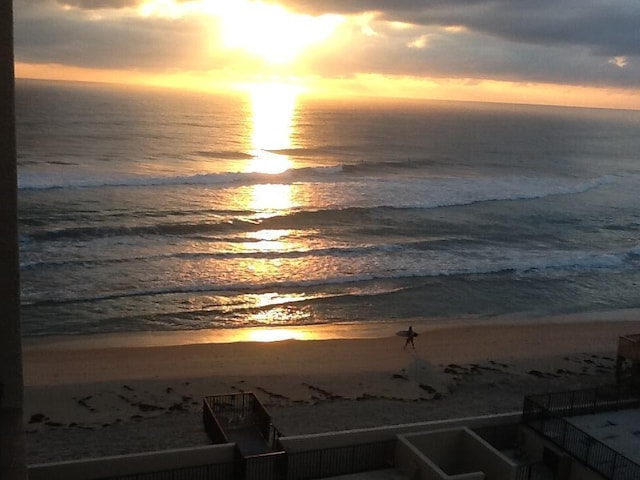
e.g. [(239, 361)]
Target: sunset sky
[(575, 52)]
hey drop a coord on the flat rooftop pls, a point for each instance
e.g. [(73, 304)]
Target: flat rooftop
[(618, 429)]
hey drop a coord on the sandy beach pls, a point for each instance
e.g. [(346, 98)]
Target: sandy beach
[(97, 396)]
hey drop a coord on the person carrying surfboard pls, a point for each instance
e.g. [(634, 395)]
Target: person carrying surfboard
[(410, 336)]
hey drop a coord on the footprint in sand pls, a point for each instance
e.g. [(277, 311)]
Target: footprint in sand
[(272, 394), (328, 395), (83, 402)]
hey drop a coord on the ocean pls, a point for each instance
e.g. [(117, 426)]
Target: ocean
[(156, 210)]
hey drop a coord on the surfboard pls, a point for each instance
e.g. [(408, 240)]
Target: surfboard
[(405, 333)]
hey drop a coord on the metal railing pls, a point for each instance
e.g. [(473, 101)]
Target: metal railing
[(306, 465), (544, 414), (334, 461), (212, 425), (269, 466), (235, 411), (534, 471), (268, 431), (582, 402), (231, 411), (217, 471)]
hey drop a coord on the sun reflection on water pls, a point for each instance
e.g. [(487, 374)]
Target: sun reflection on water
[(270, 240), (272, 125), (272, 109), (270, 197)]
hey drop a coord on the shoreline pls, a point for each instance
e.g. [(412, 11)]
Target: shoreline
[(321, 331), (48, 364)]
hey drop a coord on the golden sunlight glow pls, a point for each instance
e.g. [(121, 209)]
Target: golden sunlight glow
[(420, 42), (361, 85), (272, 108), (275, 335), (265, 30), (270, 31), (268, 162), (233, 40), (270, 240), (161, 8), (270, 197)]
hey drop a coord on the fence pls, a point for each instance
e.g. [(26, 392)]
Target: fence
[(306, 457), (212, 425), (224, 413), (270, 466), (217, 471), (303, 465), (331, 462), (544, 413), (234, 411), (582, 402), (206, 462), (534, 471)]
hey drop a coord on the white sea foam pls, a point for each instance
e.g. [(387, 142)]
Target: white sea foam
[(441, 192), (39, 181)]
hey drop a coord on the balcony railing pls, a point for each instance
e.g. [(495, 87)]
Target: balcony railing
[(217, 471), (547, 414), (534, 471), (335, 461), (225, 413)]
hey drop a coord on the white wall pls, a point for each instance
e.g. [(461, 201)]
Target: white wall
[(457, 453), (301, 443), (130, 464)]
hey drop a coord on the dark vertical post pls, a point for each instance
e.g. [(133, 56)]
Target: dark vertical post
[(12, 462)]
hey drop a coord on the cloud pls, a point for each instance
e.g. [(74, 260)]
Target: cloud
[(610, 27), (80, 38), (99, 4), (566, 41), (420, 42), (572, 42), (461, 52), (619, 61)]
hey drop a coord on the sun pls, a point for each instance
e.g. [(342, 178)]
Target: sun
[(270, 31), (265, 30)]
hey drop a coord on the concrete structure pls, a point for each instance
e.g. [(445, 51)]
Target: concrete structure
[(332, 454), (303, 457), (554, 429), (456, 453), (628, 361), (552, 438), (213, 461)]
